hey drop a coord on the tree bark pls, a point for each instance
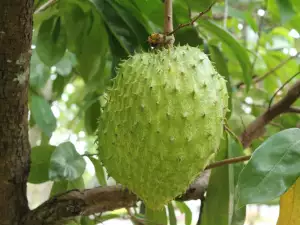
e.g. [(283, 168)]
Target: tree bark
[(15, 51)]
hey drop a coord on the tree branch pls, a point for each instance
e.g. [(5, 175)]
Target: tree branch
[(292, 110), (101, 199), (193, 20), (255, 129)]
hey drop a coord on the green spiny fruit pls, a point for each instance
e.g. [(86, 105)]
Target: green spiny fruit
[(163, 122)]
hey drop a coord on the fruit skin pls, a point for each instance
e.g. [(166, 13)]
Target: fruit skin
[(162, 123)]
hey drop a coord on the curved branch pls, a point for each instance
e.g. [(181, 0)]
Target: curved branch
[(101, 199), (256, 128)]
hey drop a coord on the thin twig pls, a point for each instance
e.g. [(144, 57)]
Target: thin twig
[(258, 79), (271, 71), (228, 161), (45, 6), (193, 20), (282, 86), (293, 110)]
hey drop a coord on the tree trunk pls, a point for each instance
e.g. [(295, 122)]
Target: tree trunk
[(15, 51)]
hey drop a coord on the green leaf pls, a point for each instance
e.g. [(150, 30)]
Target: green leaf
[(187, 212), (217, 198), (76, 23), (51, 41), (59, 187), (40, 162), (59, 84), (99, 170), (286, 10), (172, 217), (42, 114), (122, 40), (200, 6), (93, 47), (272, 169), (155, 217), (85, 220), (65, 65), (239, 51), (134, 20), (76, 184), (221, 66), (39, 72), (188, 36), (66, 163), (106, 217), (91, 116), (153, 12), (235, 150)]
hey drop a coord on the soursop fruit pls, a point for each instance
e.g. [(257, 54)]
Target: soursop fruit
[(162, 123)]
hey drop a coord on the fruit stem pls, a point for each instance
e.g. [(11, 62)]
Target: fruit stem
[(168, 23), (168, 26)]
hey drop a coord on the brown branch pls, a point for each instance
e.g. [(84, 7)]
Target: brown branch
[(101, 199), (193, 20), (292, 110), (256, 128)]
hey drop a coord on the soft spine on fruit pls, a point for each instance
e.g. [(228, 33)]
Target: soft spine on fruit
[(163, 122)]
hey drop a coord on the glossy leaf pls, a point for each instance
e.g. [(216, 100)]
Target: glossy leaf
[(286, 10), (188, 36), (66, 163), (239, 51), (272, 169), (187, 212), (40, 162), (199, 5), (221, 66), (122, 41), (51, 41), (39, 72), (59, 187), (42, 114), (236, 215), (93, 46), (217, 197), (99, 170), (62, 186), (85, 220), (65, 65), (91, 116)]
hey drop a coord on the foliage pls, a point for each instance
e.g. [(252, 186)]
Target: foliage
[(77, 46)]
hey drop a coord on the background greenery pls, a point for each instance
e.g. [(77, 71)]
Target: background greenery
[(78, 44)]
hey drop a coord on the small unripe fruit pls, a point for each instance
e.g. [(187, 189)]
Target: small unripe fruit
[(163, 122)]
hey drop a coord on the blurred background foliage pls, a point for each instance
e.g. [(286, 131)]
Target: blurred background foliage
[(77, 45)]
